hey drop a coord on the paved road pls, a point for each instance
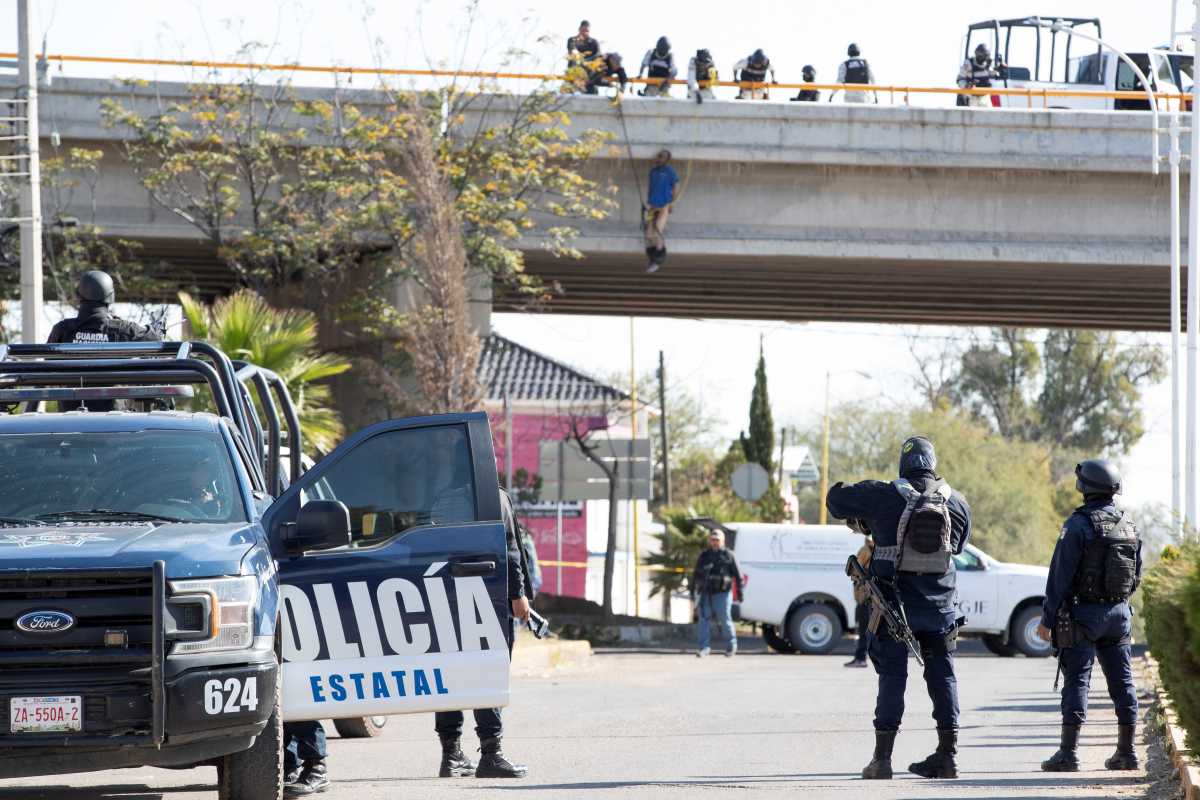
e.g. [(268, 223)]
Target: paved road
[(652, 725)]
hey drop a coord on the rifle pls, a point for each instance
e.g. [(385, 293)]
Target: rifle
[(882, 609)]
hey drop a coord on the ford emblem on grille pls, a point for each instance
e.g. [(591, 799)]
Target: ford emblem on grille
[(45, 622)]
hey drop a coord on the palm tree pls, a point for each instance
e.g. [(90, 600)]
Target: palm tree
[(246, 327)]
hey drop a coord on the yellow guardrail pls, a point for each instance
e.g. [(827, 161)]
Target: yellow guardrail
[(892, 91)]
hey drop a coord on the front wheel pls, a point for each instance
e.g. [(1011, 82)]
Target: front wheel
[(776, 642), (814, 629), (1024, 633), (257, 773), (360, 727)]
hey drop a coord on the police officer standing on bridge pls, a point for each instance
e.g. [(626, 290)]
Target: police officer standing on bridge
[(919, 524), (1097, 565)]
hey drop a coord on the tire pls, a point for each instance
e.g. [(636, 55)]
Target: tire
[(776, 642), (1024, 636), (257, 773), (360, 727), (996, 645), (814, 629)]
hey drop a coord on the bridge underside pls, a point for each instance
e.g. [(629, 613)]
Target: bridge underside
[(800, 290)]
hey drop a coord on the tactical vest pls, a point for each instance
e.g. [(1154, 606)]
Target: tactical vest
[(705, 74), (857, 71), (753, 74), (1108, 570), (716, 574), (981, 74), (660, 66), (924, 534)]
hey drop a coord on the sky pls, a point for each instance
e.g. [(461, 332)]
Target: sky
[(913, 43)]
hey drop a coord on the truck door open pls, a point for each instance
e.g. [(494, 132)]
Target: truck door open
[(413, 613)]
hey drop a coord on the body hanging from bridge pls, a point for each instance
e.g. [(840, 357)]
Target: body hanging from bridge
[(661, 193)]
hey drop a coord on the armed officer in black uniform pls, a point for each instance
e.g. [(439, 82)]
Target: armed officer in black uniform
[(1097, 565), (94, 323), (488, 724), (919, 524)]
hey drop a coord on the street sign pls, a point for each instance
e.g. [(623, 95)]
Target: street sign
[(568, 474), (750, 481), (807, 472)]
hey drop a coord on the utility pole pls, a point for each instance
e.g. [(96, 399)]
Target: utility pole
[(1193, 291), (30, 212), (824, 513), (633, 402), (782, 449), (662, 429), (508, 443)]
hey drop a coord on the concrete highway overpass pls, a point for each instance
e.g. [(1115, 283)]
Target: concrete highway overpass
[(804, 211)]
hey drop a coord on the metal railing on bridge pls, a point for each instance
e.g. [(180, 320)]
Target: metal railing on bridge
[(895, 94)]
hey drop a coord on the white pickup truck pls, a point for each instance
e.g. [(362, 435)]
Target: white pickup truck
[(797, 589)]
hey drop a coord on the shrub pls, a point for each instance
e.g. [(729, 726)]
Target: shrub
[(1171, 599)]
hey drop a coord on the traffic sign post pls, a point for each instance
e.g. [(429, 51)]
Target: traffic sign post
[(750, 481)]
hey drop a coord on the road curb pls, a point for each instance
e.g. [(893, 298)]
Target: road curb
[(1174, 734)]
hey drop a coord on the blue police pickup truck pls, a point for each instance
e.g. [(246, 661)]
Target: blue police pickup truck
[(174, 585)]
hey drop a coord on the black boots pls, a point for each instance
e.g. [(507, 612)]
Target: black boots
[(880, 768), (941, 764), (454, 763), (493, 764), (1126, 757), (1067, 759), (312, 779)]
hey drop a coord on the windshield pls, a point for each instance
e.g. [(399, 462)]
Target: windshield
[(174, 475)]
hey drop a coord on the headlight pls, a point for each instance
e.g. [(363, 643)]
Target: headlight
[(231, 620)]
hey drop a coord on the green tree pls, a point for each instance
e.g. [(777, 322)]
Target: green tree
[(314, 205), (759, 446), (244, 326), (1074, 390), (1014, 519)]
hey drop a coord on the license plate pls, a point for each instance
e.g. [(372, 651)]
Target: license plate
[(46, 714)]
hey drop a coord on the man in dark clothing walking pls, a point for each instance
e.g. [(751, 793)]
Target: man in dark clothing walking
[(1096, 567), (488, 725), (716, 574), (918, 523)]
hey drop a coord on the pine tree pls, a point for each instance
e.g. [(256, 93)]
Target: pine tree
[(759, 446)]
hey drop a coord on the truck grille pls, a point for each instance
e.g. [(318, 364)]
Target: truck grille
[(115, 682)]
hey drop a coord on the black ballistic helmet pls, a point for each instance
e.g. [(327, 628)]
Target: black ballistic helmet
[(808, 73), (916, 455), (982, 53), (95, 287), (1097, 476), (703, 55), (663, 47), (759, 57), (852, 51)]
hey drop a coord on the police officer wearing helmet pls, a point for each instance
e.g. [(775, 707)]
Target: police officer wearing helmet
[(1097, 565), (809, 74), (855, 69), (702, 74), (919, 523), (94, 324), (658, 63), (977, 73), (753, 71)]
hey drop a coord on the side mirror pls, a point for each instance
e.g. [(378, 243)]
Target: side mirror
[(320, 525)]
